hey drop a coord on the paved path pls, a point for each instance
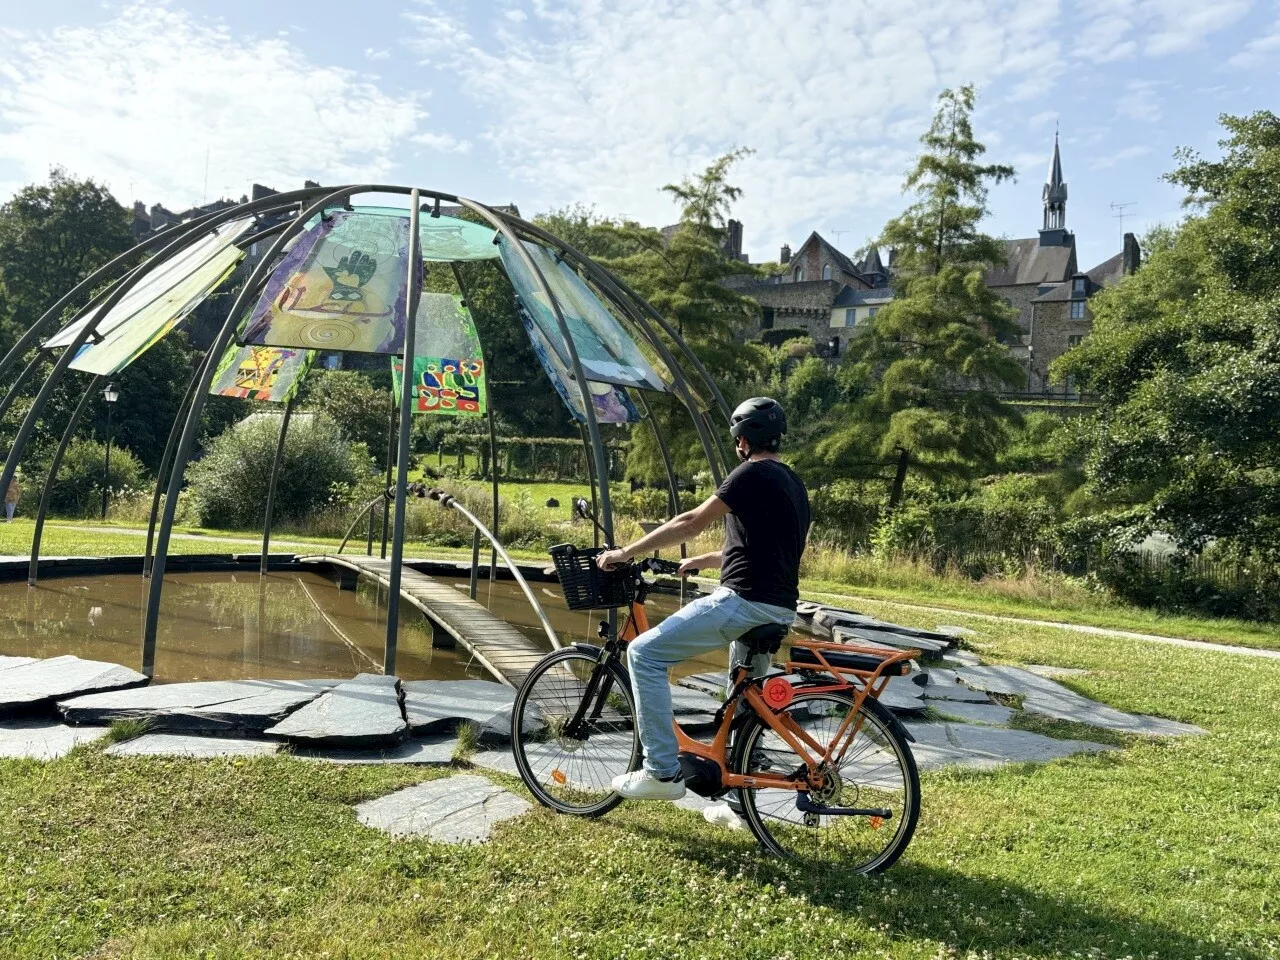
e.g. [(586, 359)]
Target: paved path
[(1077, 627)]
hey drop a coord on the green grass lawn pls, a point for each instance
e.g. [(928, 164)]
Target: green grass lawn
[(1166, 849)]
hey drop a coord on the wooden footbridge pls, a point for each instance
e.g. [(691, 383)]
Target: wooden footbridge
[(499, 647)]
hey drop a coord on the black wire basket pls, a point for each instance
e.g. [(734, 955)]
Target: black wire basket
[(586, 586)]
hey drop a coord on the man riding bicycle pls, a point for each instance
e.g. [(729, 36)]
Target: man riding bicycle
[(766, 512)]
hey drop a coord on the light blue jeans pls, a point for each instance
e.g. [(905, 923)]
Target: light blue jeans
[(706, 624)]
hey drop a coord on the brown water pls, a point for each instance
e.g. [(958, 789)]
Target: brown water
[(220, 626)]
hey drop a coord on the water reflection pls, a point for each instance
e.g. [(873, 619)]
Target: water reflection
[(219, 626)]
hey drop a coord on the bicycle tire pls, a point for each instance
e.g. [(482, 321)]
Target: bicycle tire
[(790, 834), (564, 773)]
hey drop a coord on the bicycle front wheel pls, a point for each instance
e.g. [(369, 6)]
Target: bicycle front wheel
[(573, 730), (875, 772)]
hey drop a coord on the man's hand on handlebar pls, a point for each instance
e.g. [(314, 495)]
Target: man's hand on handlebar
[(611, 558), (688, 568)]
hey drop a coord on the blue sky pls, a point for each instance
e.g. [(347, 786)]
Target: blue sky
[(549, 102)]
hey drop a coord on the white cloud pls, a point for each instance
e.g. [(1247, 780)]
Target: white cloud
[(1258, 50), (443, 142), (372, 54), (519, 16), (137, 101), (608, 99), (1140, 101), (1122, 29), (1119, 157)]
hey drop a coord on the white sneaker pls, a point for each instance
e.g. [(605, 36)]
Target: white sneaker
[(642, 785), (723, 815)]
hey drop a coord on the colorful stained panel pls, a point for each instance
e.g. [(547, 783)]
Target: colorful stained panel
[(449, 370), (157, 288), (607, 352), (445, 239), (261, 373), (343, 286), (612, 405), (127, 342)]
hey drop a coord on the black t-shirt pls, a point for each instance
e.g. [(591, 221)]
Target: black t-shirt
[(764, 533)]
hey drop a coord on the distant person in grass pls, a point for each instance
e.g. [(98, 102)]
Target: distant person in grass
[(11, 498)]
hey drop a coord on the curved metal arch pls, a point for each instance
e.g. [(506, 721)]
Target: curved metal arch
[(51, 478), (183, 450), (69, 353)]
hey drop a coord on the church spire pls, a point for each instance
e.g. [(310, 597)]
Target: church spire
[(1054, 194)]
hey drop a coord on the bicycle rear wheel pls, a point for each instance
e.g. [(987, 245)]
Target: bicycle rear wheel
[(573, 730), (876, 772)]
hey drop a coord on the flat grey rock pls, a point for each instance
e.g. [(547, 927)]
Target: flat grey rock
[(43, 739), (690, 700), (610, 754), (364, 711), (694, 802), (951, 630), (185, 745), (944, 684), (39, 684), (901, 695), (709, 683), (1051, 699), (7, 662), (961, 658), (988, 713), (213, 706), (984, 748), (433, 706), (460, 809), (434, 750)]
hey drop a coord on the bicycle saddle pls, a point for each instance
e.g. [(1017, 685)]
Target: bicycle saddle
[(766, 638)]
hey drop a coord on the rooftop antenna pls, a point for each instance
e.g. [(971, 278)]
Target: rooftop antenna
[(1120, 214), (839, 234)]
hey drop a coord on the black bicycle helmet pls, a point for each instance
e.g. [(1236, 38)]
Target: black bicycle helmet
[(760, 420)]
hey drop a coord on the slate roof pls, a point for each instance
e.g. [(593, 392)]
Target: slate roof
[(854, 296), (1108, 272), (1027, 262)]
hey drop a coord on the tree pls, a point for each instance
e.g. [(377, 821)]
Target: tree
[(351, 402), (926, 373), (52, 236), (682, 277), (1185, 360)]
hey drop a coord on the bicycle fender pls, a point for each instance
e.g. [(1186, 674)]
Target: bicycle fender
[(591, 648)]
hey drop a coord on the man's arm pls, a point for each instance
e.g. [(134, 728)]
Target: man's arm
[(679, 529), (706, 561)]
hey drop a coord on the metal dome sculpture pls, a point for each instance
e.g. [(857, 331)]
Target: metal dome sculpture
[(335, 277)]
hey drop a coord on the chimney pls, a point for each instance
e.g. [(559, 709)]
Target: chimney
[(139, 209), (733, 240), (785, 255), (1131, 257), (308, 184)]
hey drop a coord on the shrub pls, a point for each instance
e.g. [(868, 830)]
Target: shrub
[(78, 490), (846, 511), (229, 486)]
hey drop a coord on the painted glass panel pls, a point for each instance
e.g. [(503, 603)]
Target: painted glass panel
[(448, 366), (160, 281), (607, 352), (261, 373), (148, 326), (612, 405), (343, 286), (445, 239)]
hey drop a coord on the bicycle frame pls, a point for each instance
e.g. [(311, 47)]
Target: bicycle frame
[(862, 685)]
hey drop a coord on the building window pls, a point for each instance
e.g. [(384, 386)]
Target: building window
[(1074, 340), (798, 274), (1077, 309), (766, 318), (1077, 287), (851, 316), (826, 271), (833, 347), (872, 311)]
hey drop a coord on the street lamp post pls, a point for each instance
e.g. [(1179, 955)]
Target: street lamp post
[(110, 395)]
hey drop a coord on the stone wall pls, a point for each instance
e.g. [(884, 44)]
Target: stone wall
[(1020, 297), (1053, 330)]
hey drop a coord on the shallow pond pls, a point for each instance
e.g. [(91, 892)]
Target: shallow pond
[(294, 625)]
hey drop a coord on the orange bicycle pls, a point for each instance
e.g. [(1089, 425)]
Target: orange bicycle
[(820, 770)]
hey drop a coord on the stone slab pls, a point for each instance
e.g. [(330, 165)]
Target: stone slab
[(7, 662), (951, 630), (688, 700), (903, 695), (961, 658), (43, 739), (212, 706), (988, 713), (461, 809), (709, 683), (433, 750), (985, 748), (1042, 670), (433, 706), (38, 685), (188, 746), (944, 684), (1051, 699), (365, 711)]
